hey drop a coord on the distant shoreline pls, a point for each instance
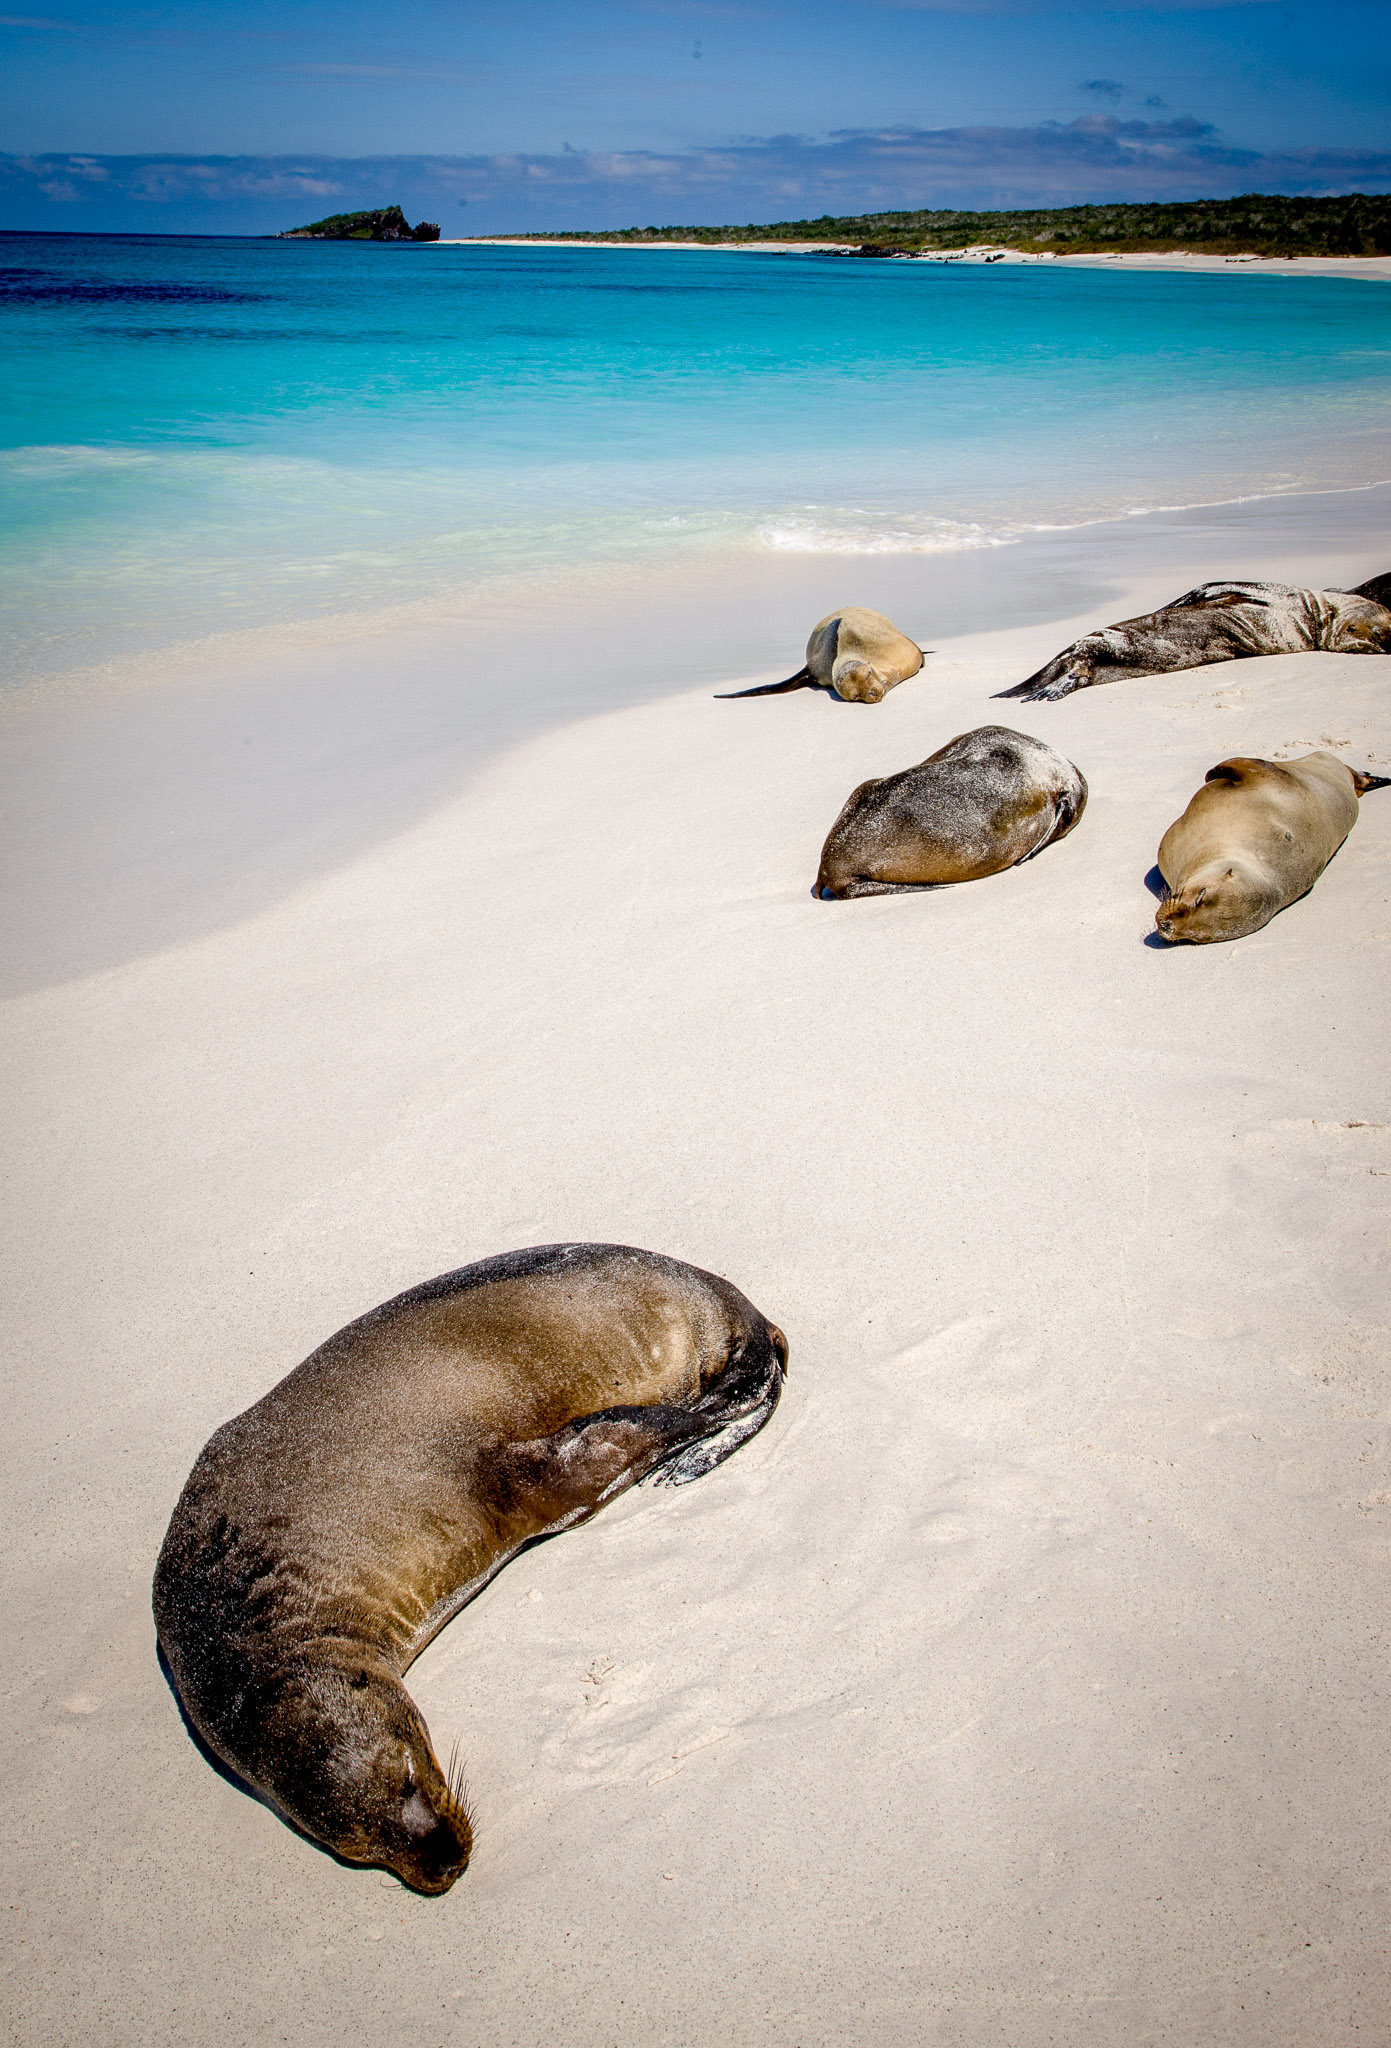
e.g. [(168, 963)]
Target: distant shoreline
[(1374, 268)]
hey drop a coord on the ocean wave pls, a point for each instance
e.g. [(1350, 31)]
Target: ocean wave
[(834, 532)]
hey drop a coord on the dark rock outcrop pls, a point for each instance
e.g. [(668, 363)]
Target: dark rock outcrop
[(376, 224)]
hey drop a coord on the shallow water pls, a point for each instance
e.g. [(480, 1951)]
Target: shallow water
[(209, 435)]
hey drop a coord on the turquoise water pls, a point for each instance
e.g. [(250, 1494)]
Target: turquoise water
[(202, 435)]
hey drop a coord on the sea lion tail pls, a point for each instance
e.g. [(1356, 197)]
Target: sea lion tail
[(801, 681), (1362, 783)]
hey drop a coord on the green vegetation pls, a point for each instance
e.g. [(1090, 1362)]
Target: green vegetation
[(1257, 224), (378, 224)]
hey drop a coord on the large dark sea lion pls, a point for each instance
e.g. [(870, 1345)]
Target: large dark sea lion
[(329, 1532), (1256, 837), (1377, 588), (857, 653), (1218, 622), (985, 801)]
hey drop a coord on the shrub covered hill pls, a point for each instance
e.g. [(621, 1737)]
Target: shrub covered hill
[(1355, 224), (378, 224)]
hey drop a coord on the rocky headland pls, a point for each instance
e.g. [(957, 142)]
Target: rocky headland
[(376, 224)]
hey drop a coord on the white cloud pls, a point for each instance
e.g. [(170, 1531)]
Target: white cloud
[(1097, 157)]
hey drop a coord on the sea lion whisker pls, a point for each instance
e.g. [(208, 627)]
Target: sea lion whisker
[(460, 1797)]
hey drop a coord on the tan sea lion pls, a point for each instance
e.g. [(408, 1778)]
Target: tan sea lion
[(856, 653), (1256, 837), (327, 1534), (1218, 622), (985, 801)]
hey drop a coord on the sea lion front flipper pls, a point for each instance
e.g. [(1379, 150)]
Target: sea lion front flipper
[(570, 1475), (803, 680), (723, 1440), (702, 1456)]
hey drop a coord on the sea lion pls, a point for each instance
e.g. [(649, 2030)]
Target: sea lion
[(1377, 588), (985, 801), (1257, 836), (1217, 622), (327, 1534), (857, 653)]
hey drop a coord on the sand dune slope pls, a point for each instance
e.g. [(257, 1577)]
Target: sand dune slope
[(1025, 1682)]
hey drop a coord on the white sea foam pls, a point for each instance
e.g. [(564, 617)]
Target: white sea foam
[(832, 531)]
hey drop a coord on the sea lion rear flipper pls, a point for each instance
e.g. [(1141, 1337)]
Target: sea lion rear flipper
[(1362, 783), (801, 681), (568, 1476), (1057, 678)]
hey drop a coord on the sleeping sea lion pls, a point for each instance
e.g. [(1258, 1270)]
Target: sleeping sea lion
[(985, 801), (1377, 588), (329, 1532), (1257, 836), (856, 653), (1217, 622)]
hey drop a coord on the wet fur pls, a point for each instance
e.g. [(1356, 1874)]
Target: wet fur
[(1220, 622), (1254, 839), (984, 802), (329, 1532), (856, 653)]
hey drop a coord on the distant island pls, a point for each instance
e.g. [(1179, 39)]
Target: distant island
[(377, 224), (1257, 224)]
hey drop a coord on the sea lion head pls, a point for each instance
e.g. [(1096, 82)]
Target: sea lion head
[(350, 1762), (1368, 630), (1223, 899), (858, 683)]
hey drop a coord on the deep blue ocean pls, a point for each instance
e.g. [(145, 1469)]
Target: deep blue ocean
[(203, 434)]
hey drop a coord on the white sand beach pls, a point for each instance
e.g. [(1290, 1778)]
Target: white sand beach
[(1025, 1681), (1377, 268)]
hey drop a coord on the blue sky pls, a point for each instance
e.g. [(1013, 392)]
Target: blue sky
[(530, 114)]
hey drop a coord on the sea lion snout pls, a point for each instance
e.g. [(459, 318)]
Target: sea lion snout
[(857, 683), (417, 1827), (1225, 900), (349, 1760)]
